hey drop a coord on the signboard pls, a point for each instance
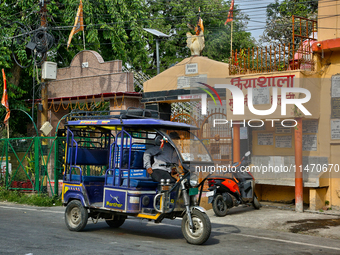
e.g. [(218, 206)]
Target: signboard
[(335, 104), (283, 141), (191, 68), (243, 133), (336, 86), (190, 97), (335, 129), (261, 96), (3, 169), (309, 142), (265, 138), (309, 126), (283, 130), (191, 82), (279, 129), (115, 199)]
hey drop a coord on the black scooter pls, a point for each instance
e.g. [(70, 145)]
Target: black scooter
[(239, 188)]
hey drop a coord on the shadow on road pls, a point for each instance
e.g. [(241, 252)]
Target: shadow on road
[(165, 231)]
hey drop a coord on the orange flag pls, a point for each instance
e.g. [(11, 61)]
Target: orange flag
[(78, 24), (235, 59), (230, 13), (4, 100)]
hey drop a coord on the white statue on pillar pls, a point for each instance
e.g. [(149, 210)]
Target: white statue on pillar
[(196, 42)]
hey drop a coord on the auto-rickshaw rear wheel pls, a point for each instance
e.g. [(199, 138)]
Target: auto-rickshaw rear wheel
[(202, 227), (76, 216), (116, 222)]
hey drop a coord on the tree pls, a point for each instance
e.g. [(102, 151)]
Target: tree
[(115, 30), (18, 80), (279, 19), (172, 17)]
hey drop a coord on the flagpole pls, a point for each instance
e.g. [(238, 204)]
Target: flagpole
[(231, 40), (84, 37)]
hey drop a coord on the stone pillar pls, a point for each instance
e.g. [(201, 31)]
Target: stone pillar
[(317, 198), (56, 117)]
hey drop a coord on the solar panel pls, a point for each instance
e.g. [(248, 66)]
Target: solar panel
[(156, 32)]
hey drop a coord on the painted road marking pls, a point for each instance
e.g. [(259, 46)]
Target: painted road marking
[(266, 238), (28, 209), (287, 241)]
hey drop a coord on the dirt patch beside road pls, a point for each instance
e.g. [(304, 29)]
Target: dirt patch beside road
[(312, 224), (283, 219)]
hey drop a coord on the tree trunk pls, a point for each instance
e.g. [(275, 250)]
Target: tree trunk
[(16, 75)]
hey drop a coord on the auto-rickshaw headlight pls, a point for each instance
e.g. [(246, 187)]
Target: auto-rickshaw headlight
[(193, 179)]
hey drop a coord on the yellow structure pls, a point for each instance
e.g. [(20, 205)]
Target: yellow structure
[(271, 141)]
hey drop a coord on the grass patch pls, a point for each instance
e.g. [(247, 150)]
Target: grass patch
[(32, 199)]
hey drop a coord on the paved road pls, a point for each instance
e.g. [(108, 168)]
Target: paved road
[(33, 230)]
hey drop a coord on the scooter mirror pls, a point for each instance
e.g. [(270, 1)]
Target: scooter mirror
[(247, 153)]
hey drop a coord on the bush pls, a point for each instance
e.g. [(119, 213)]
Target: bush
[(35, 199)]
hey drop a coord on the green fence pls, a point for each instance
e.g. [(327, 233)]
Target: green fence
[(32, 164)]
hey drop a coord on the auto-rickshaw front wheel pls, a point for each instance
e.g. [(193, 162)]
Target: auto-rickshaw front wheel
[(76, 216), (202, 227)]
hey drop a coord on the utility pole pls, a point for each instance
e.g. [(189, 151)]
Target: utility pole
[(44, 101), (44, 96)]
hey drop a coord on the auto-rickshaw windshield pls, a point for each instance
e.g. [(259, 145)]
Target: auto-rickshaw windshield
[(189, 146)]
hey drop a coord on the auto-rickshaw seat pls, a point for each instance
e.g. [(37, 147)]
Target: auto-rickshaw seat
[(76, 177), (87, 156), (140, 183)]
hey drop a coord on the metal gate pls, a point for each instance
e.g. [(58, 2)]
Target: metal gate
[(218, 137), (29, 166)]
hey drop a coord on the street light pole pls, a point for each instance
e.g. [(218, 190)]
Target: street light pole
[(44, 96), (158, 34), (157, 54)]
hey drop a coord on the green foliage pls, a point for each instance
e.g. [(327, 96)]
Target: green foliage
[(279, 19), (115, 30), (30, 167), (172, 17), (34, 199)]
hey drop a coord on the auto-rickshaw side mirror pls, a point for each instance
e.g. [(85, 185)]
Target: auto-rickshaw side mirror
[(247, 153)]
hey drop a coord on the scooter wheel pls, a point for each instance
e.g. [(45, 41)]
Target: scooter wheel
[(220, 206), (256, 203)]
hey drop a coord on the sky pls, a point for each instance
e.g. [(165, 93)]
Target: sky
[(256, 11)]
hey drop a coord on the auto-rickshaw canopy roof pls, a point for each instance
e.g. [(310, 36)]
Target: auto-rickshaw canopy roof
[(134, 123)]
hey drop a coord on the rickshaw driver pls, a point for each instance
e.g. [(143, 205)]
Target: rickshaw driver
[(162, 154)]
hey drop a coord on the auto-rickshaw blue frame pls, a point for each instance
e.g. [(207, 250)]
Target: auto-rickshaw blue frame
[(123, 188)]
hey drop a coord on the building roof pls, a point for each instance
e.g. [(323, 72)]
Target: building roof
[(89, 98)]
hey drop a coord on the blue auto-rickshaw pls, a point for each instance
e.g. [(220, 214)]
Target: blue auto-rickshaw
[(104, 175)]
